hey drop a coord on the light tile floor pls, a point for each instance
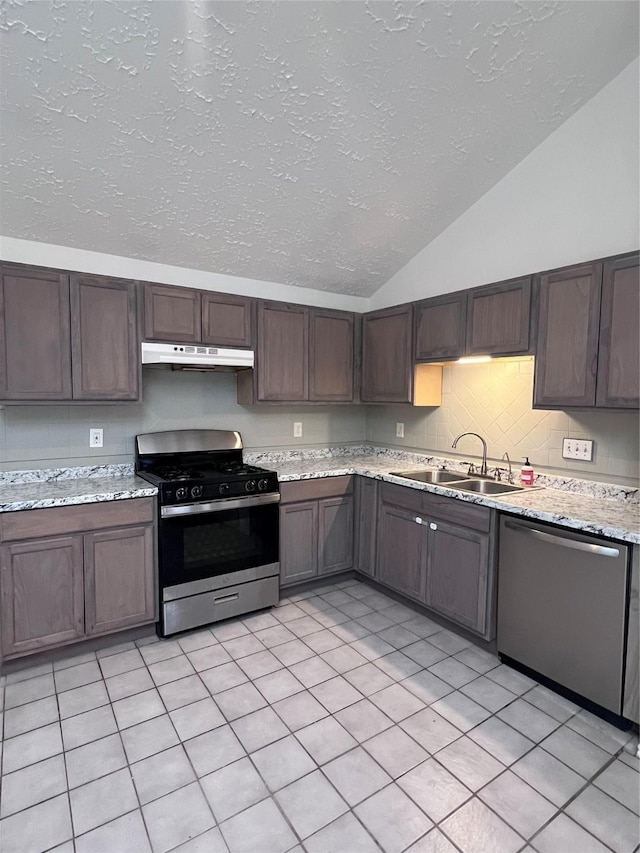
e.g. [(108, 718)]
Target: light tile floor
[(339, 721)]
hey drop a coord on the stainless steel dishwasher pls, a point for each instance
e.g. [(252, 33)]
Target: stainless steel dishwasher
[(562, 599)]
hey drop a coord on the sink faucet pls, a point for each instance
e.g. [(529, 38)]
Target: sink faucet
[(505, 456), (483, 467)]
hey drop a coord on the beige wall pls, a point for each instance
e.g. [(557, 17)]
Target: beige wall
[(494, 399), (47, 436)]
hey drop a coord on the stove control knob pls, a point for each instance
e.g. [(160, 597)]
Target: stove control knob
[(196, 491), (250, 486), (182, 493), (223, 488), (262, 485)]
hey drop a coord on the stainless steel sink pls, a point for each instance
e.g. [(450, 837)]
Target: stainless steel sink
[(430, 476), (486, 487)]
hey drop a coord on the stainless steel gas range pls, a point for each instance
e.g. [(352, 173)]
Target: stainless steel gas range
[(218, 532)]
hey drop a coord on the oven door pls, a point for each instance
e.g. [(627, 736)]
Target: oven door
[(206, 542)]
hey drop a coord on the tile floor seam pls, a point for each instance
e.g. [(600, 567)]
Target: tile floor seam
[(331, 715)]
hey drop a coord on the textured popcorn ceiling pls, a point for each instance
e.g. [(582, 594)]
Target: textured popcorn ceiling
[(319, 144)]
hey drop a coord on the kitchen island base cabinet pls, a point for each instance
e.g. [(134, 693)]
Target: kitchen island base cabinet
[(316, 528), (84, 576)]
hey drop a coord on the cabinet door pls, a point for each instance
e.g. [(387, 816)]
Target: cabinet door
[(335, 534), (283, 332), (105, 359), (35, 344), (498, 319), (119, 579), (457, 573), (387, 368), (172, 314), (42, 602), (226, 320), (365, 524), (567, 349), (619, 352), (402, 551), (298, 542), (330, 356), (440, 327)]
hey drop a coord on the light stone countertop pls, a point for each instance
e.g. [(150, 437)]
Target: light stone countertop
[(39, 494), (616, 519), (579, 505)]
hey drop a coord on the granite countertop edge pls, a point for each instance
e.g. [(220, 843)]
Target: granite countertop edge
[(608, 517), (602, 517)]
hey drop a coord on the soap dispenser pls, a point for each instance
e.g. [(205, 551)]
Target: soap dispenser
[(526, 473)]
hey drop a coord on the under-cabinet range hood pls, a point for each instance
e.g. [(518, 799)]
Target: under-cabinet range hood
[(195, 357)]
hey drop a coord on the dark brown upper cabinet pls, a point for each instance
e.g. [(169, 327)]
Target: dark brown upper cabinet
[(197, 316), (303, 355), (568, 328), (498, 319), (440, 327), (492, 320), (618, 380), (283, 332), (387, 365), (73, 341), (172, 314), (331, 338), (104, 344), (35, 335), (226, 320)]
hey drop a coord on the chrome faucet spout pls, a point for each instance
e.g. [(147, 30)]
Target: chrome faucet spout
[(483, 468), (505, 456)]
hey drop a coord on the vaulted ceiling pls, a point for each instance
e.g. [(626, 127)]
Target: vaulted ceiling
[(319, 144)]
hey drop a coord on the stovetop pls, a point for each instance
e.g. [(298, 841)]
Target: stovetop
[(206, 479), (191, 466)]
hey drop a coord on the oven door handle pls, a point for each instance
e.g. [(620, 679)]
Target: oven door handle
[(220, 505)]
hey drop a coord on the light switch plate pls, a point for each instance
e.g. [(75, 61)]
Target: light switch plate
[(297, 429), (577, 448), (399, 430)]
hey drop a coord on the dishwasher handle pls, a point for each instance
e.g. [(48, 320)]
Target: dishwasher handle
[(575, 544)]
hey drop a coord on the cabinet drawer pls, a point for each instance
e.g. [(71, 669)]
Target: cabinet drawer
[(466, 514), (414, 500), (54, 521), (309, 490)]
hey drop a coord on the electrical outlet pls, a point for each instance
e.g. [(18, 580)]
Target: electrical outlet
[(399, 430), (297, 429), (577, 448), (96, 435)]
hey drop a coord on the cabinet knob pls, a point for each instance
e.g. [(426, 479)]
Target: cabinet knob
[(418, 519), (433, 526)]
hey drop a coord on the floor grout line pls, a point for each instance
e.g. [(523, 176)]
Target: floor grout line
[(331, 715)]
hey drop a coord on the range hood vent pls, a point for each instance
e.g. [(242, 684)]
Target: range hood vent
[(195, 357)]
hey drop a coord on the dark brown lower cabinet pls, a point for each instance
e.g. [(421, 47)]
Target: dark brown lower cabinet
[(42, 594), (118, 579), (402, 551), (438, 551), (90, 578), (335, 535), (298, 542), (457, 569), (316, 528), (366, 512)]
